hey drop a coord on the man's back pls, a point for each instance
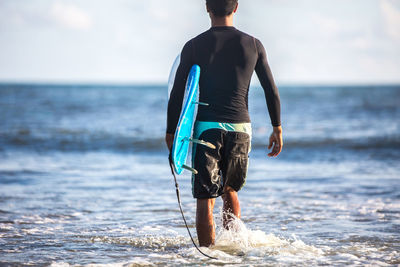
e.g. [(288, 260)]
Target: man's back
[(227, 58)]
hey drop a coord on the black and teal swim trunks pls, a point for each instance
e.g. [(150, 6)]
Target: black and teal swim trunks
[(225, 165)]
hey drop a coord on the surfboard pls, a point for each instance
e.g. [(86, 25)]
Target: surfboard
[(183, 133), (184, 129)]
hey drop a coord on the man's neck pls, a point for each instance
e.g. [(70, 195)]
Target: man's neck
[(222, 21)]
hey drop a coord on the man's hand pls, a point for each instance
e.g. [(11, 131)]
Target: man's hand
[(169, 139), (275, 142)]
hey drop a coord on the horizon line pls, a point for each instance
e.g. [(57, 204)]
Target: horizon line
[(160, 84)]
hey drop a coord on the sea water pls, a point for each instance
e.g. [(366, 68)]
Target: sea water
[(84, 179)]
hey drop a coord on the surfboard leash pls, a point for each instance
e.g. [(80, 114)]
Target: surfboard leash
[(180, 208)]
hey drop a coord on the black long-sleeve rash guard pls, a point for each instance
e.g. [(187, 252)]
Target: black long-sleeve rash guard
[(227, 58)]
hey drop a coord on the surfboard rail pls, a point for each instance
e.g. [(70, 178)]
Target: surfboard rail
[(184, 128)]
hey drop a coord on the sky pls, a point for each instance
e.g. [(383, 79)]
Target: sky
[(136, 41)]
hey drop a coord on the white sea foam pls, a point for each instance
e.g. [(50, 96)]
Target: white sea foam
[(135, 262), (160, 243)]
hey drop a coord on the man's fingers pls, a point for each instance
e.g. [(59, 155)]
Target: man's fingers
[(275, 150), (272, 144), (272, 153)]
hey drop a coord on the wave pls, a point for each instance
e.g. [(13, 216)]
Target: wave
[(81, 141)]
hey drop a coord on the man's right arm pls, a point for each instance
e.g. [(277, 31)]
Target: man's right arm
[(272, 98), (177, 93)]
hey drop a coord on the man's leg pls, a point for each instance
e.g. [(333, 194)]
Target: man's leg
[(231, 205), (205, 222), (234, 171)]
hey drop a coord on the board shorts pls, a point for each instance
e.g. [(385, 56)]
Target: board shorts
[(226, 164)]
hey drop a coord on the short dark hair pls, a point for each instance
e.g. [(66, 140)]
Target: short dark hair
[(221, 8)]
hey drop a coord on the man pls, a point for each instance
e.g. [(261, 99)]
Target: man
[(227, 58)]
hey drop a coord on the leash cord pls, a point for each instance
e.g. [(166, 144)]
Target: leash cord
[(180, 207)]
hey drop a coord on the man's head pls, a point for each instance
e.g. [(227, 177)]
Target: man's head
[(221, 8)]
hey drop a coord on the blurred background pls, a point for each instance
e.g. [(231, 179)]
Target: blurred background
[(84, 176), (336, 41)]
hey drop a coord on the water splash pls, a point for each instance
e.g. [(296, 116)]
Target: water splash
[(242, 246), (239, 240)]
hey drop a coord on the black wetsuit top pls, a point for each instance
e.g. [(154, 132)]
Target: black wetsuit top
[(227, 58)]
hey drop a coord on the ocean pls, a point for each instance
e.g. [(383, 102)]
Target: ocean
[(84, 179)]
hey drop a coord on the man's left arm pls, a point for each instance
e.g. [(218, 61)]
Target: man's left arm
[(266, 79)]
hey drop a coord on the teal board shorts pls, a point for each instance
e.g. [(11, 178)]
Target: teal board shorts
[(226, 164)]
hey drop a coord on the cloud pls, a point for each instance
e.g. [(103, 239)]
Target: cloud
[(391, 15), (325, 25), (70, 16)]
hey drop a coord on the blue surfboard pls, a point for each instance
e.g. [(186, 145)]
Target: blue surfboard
[(184, 128)]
